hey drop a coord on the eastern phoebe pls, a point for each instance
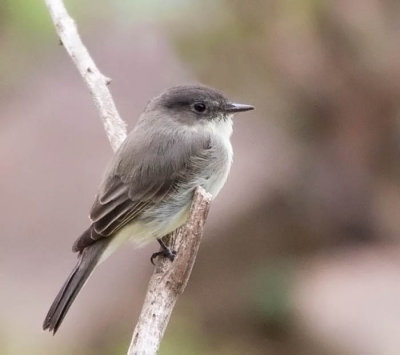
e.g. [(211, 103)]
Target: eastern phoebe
[(181, 141)]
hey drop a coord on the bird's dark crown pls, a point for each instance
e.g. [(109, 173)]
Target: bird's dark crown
[(200, 100), (194, 102), (189, 94)]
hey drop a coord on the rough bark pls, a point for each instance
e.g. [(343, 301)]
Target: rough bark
[(169, 279), (97, 83)]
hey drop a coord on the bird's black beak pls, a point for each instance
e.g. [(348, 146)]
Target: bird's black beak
[(231, 107)]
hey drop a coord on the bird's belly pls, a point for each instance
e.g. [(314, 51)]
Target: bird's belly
[(218, 175), (141, 231), (214, 183)]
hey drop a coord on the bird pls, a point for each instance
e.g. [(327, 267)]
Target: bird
[(181, 141)]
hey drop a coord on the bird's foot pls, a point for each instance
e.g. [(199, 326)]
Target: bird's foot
[(164, 252)]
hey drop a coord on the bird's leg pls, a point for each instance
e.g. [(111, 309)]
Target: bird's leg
[(165, 252)]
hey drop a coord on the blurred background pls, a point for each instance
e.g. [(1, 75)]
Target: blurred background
[(301, 253)]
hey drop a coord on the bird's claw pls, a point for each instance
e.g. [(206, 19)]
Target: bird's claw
[(164, 252)]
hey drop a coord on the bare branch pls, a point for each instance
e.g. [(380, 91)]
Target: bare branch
[(169, 279), (97, 83)]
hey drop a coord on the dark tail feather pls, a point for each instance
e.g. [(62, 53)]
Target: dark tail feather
[(88, 259)]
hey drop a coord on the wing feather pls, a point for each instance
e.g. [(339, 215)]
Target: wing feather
[(138, 178)]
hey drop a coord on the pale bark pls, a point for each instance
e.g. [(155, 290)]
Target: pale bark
[(97, 83), (169, 279)]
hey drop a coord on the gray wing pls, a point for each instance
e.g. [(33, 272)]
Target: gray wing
[(140, 175)]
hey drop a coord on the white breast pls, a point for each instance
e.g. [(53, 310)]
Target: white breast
[(221, 130)]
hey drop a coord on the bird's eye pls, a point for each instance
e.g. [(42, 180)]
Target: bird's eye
[(199, 107)]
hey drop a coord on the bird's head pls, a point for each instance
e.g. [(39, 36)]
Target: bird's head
[(193, 105)]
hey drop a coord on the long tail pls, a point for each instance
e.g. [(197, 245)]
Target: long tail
[(87, 261)]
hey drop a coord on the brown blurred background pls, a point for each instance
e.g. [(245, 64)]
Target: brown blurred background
[(301, 253)]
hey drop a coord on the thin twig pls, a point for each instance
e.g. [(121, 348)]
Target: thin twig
[(169, 279), (97, 83)]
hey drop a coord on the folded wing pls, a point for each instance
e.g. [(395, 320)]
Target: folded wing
[(138, 178)]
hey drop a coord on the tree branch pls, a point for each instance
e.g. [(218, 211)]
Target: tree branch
[(97, 83), (169, 279)]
